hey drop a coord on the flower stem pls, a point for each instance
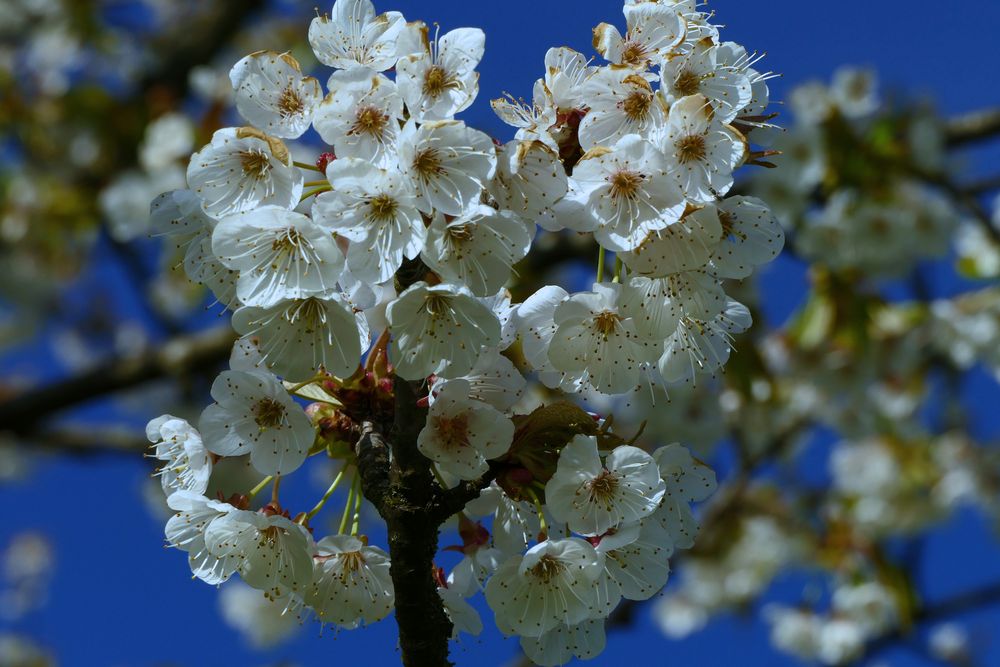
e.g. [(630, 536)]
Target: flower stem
[(538, 507), (600, 264), (619, 269), (260, 487), (321, 189), (274, 490), (357, 506), (305, 165), (313, 184), (326, 496), (347, 506)]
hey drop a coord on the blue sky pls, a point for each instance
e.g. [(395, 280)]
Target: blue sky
[(120, 599)]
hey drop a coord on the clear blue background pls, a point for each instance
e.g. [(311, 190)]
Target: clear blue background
[(119, 598)]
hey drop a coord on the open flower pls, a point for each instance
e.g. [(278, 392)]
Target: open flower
[(253, 414), (351, 582), (593, 497), (354, 36), (279, 254), (462, 434), (360, 116), (552, 584), (442, 80), (439, 330), (241, 169), (187, 465), (273, 95), (185, 530)]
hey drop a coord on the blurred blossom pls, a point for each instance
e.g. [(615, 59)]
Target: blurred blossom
[(263, 623), (28, 563)]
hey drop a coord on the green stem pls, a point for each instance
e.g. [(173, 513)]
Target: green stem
[(357, 506), (619, 266), (260, 487), (315, 191), (347, 507), (538, 507), (313, 184), (304, 165), (600, 264), (326, 496)]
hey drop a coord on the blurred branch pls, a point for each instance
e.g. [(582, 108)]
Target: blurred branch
[(24, 413), (931, 613), (972, 127)]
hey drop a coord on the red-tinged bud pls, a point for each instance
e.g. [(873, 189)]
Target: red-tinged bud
[(594, 540), (385, 386), (521, 476), (542, 536), (497, 142), (324, 160), (274, 509), (424, 402), (439, 577), (237, 500), (473, 534)]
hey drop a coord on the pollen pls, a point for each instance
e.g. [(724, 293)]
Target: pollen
[(290, 103), (602, 488), (453, 431), (427, 163), (383, 207), (350, 562), (370, 120), (547, 568), (460, 232), (687, 83), (633, 54), (437, 304), (268, 413), (606, 323), (289, 240), (256, 163), (625, 184), (691, 148), (636, 105), (436, 81)]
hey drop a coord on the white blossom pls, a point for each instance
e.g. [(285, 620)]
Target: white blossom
[(253, 414), (273, 95), (351, 583), (354, 36), (187, 464), (360, 117), (441, 81)]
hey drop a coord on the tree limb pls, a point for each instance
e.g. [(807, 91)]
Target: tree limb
[(972, 127), (24, 413)]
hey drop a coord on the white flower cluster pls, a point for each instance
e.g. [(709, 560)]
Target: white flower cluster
[(411, 227)]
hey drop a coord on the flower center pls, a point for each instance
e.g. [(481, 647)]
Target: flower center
[(287, 241), (370, 120), (290, 104), (460, 232), (437, 304), (383, 207), (453, 431), (547, 568), (602, 488), (625, 184), (427, 163), (636, 105), (436, 81), (605, 323), (687, 83), (350, 562), (256, 163), (268, 413), (634, 53), (691, 148), (728, 223)]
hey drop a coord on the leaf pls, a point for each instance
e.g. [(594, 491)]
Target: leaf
[(313, 392)]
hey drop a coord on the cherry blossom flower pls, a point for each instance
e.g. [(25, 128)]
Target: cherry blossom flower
[(552, 584), (593, 497), (685, 245), (620, 103), (628, 192), (686, 481), (279, 254), (751, 236), (241, 169), (700, 72), (529, 181), (351, 583), (376, 210), (354, 36), (253, 414), (439, 330), (360, 117), (273, 95), (462, 434), (476, 249), (441, 81), (585, 640), (187, 464), (654, 30), (271, 552), (448, 163), (185, 530)]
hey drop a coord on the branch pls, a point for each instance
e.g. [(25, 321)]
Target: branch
[(972, 127), (23, 413), (373, 464), (963, 602)]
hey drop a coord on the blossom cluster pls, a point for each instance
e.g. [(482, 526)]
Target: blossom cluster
[(410, 230)]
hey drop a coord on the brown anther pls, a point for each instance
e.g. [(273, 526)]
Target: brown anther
[(436, 81), (625, 184), (427, 163), (268, 413), (383, 207), (290, 104), (256, 163), (691, 148), (636, 105), (687, 83), (369, 120), (547, 568)]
